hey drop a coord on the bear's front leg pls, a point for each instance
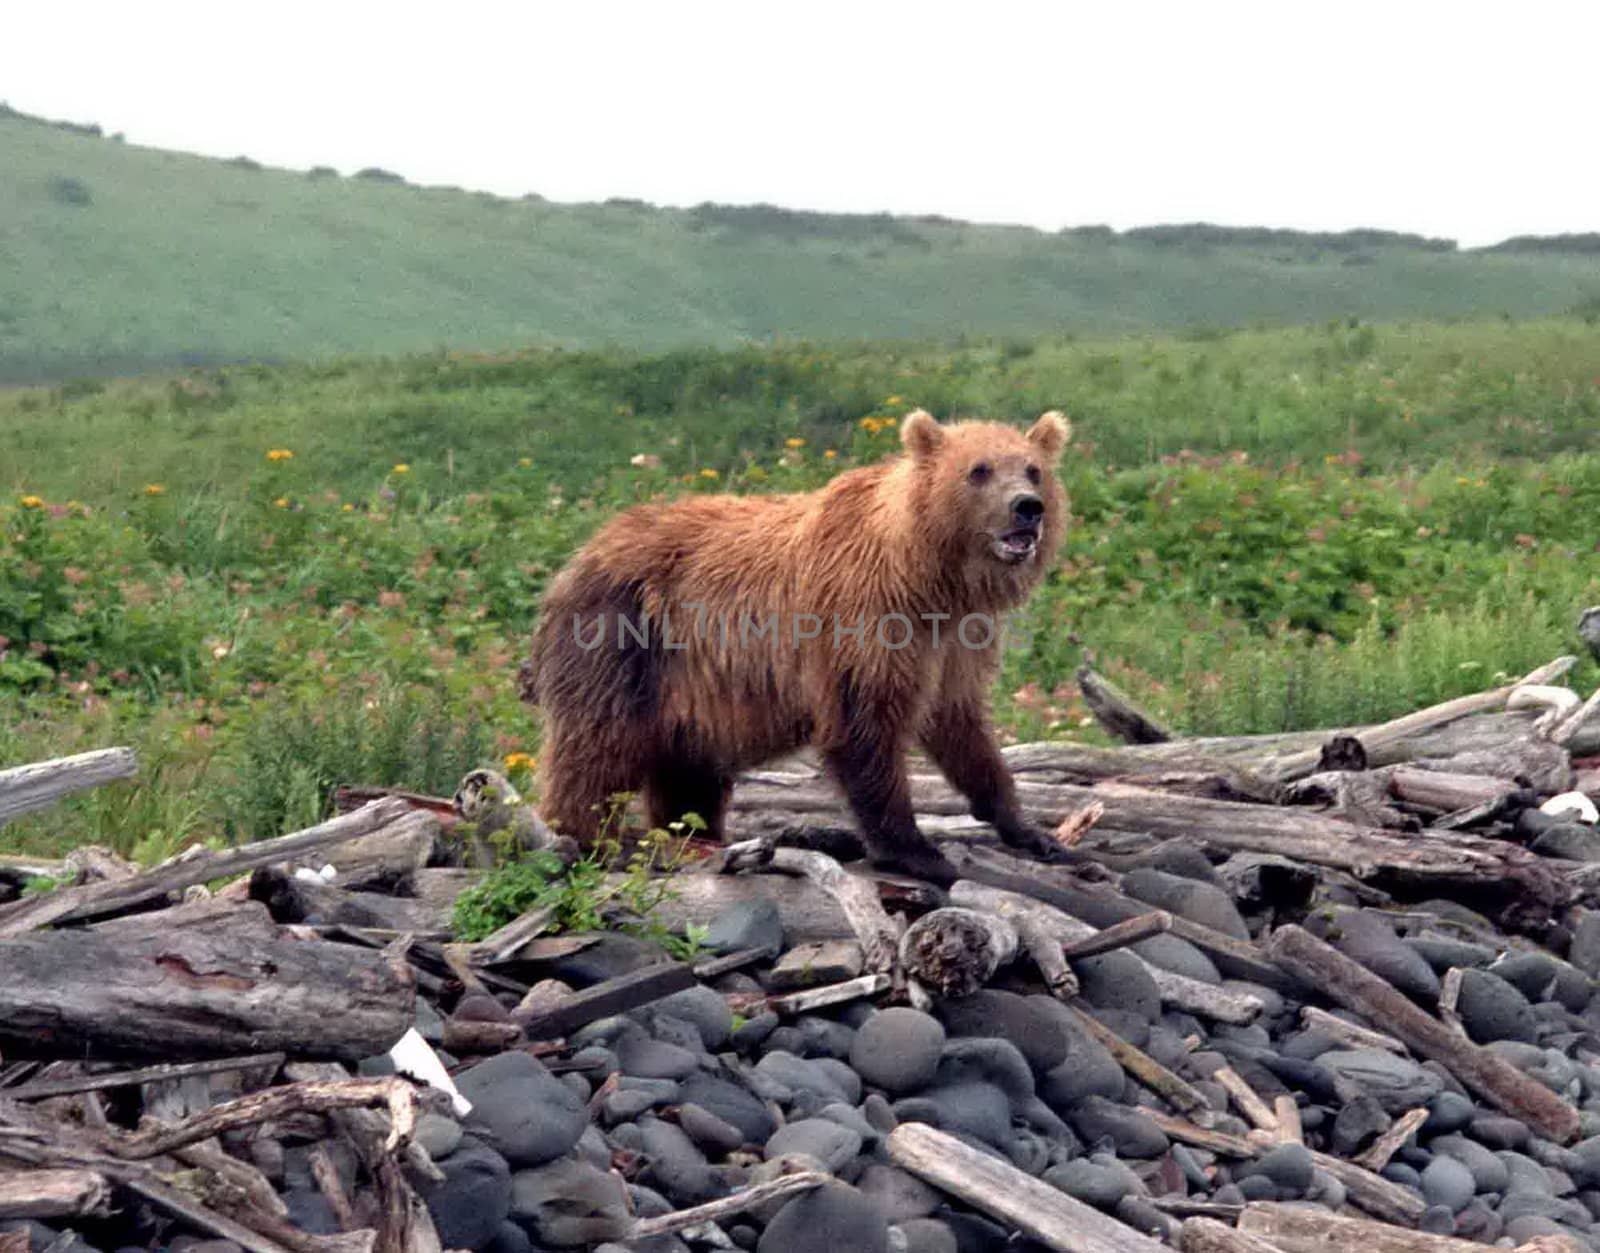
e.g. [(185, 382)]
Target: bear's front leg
[(961, 744), (868, 760)]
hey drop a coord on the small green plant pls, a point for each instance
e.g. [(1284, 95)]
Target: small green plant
[(591, 893), (43, 884)]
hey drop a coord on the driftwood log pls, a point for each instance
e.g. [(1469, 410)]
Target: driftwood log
[(1330, 972), (24, 789), (1180, 991), (194, 994), (96, 900), (1016, 1199)]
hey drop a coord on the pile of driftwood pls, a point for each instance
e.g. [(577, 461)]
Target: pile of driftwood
[(162, 1029)]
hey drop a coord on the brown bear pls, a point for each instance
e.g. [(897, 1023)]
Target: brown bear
[(688, 641)]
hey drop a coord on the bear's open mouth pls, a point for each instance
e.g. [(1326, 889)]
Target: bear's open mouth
[(1017, 544)]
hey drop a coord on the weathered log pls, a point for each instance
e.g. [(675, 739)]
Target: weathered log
[(24, 789), (1247, 1099), (1177, 1092), (1016, 1199), (39, 1089), (98, 899), (1310, 1229), (1347, 1033), (1191, 995), (196, 994), (1446, 791), (808, 999), (1207, 1235), (1438, 862), (53, 1194), (741, 1202), (1324, 968), (856, 896), (1114, 710), (292, 898), (956, 951), (1376, 1156), (388, 857), (603, 1000)]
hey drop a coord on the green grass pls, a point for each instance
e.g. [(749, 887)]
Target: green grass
[(121, 259), (1273, 530)]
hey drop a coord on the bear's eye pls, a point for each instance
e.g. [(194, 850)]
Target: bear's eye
[(1034, 475), (979, 473)]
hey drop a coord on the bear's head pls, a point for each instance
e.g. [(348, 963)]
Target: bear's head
[(992, 499)]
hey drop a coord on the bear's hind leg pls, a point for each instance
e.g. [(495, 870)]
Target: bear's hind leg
[(676, 788)]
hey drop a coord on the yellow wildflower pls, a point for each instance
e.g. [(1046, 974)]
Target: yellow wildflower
[(402, 468), (153, 489), (895, 400), (870, 425), (279, 454), (347, 508), (891, 421), (282, 502), (794, 442), (524, 462), (828, 454), (709, 473), (515, 761), (32, 502)]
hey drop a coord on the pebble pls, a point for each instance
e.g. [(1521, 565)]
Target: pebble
[(1119, 981), (1201, 902), (979, 1109), (1498, 1131), (731, 1103), (704, 1008), (1491, 1009), (1371, 941), (928, 1235), (472, 1200), (1394, 1082), (829, 1219), (1089, 1182), (749, 924), (1357, 1124), (898, 1050), (676, 1166), (715, 1136), (1130, 1132), (1448, 1112), (525, 1111), (899, 1195), (1489, 1173), (1289, 1166), (1029, 1023), (822, 1138), (570, 1203), (1447, 1182)]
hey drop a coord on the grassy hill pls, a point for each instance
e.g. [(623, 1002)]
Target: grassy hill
[(118, 259)]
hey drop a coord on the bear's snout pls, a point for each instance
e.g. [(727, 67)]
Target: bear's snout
[(1027, 509)]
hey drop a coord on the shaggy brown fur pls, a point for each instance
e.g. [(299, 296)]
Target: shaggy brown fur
[(692, 684)]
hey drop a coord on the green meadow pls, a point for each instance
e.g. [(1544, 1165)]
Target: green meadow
[(269, 579)]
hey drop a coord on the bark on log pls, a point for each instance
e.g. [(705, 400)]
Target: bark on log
[(190, 995), (1191, 995), (24, 789), (98, 899), (1207, 1235), (1303, 1229), (292, 899), (53, 1194), (1319, 966), (1016, 1199)]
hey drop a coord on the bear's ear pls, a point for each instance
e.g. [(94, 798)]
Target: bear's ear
[(1051, 433), (921, 434)]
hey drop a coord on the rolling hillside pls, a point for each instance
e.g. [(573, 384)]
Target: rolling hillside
[(117, 259)]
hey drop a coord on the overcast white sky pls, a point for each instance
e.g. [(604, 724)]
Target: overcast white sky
[(1474, 121)]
